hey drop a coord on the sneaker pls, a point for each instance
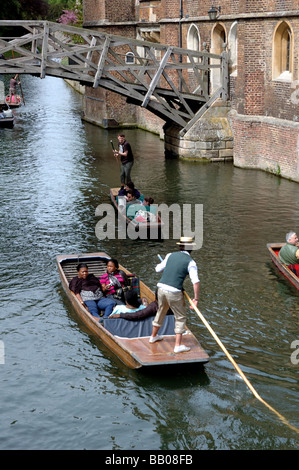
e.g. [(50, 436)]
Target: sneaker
[(153, 339), (181, 348)]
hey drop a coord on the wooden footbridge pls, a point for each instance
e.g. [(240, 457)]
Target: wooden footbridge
[(171, 82)]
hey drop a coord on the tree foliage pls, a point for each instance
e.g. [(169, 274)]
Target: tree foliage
[(24, 9), (49, 10)]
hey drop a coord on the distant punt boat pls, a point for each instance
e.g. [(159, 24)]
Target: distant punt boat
[(274, 250), (7, 122), (14, 103), (149, 228)]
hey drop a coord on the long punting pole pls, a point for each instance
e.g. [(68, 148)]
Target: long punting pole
[(284, 420)]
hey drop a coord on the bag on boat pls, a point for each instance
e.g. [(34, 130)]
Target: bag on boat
[(145, 216), (134, 283), (119, 290)]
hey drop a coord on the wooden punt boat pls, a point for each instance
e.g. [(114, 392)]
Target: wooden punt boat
[(135, 352), (148, 230), (274, 250), (15, 103)]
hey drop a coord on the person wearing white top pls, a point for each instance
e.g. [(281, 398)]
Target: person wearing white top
[(175, 268)]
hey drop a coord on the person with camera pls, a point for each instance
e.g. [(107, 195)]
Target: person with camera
[(114, 281)]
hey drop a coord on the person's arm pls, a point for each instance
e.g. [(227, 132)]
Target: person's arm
[(124, 276), (145, 312), (73, 285), (297, 254), (80, 299), (193, 274), (105, 287), (124, 153), (196, 293), (125, 150), (105, 283), (161, 266)]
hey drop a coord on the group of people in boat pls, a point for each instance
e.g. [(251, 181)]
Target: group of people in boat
[(108, 293), (138, 207)]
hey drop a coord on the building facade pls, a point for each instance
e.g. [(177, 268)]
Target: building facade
[(260, 123)]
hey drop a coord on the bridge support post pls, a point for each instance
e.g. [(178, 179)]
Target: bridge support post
[(210, 139)]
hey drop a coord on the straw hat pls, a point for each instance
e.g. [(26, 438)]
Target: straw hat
[(186, 241)]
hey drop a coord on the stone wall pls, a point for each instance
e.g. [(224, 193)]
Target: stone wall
[(209, 139), (266, 143)]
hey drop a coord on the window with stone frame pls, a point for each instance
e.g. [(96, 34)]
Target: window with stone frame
[(282, 60)]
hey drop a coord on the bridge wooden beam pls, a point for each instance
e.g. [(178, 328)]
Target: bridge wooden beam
[(156, 78), (162, 86)]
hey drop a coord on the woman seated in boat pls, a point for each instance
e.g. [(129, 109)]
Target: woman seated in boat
[(113, 281), (147, 201), (87, 289), (129, 186)]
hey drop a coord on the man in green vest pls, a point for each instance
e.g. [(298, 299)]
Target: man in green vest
[(176, 266)]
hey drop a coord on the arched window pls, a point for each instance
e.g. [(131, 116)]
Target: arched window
[(193, 38), (282, 61), (218, 40), (233, 48), (130, 58)]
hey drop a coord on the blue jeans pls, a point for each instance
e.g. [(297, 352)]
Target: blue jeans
[(95, 306)]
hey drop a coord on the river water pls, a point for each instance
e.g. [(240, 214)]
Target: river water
[(60, 387)]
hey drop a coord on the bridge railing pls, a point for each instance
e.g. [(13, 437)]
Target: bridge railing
[(170, 81)]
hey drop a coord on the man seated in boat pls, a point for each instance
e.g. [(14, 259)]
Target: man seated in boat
[(87, 289), (131, 198), (289, 253)]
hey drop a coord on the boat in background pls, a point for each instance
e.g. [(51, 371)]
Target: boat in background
[(146, 222), (6, 116), (129, 340), (274, 249), (7, 122), (14, 102)]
